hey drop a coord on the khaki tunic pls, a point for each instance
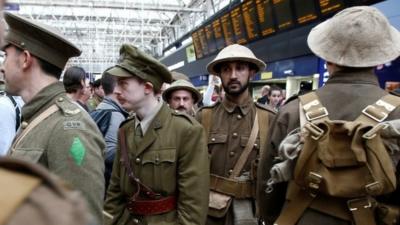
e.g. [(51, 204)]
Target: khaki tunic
[(230, 129), (345, 95), (171, 159), (51, 144)]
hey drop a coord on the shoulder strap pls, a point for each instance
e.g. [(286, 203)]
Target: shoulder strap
[(206, 119), (246, 152), (132, 178), (15, 188), (263, 122), (380, 110), (314, 111), (17, 112), (48, 112)]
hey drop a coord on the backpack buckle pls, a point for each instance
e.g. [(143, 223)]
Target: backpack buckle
[(314, 181), (372, 133), (360, 203), (316, 114), (375, 114), (316, 132)]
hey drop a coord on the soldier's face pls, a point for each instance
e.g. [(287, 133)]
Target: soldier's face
[(130, 93), (11, 68), (182, 100), (235, 77)]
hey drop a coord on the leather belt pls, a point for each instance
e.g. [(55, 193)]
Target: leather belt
[(237, 189), (147, 207)]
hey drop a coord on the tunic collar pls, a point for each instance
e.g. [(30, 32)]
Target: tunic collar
[(145, 122), (42, 100), (243, 108), (350, 76)]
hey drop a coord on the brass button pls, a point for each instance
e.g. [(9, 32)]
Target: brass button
[(136, 221), (231, 154), (230, 171), (235, 135), (24, 124), (239, 117), (60, 99), (137, 160), (157, 160), (213, 139), (256, 145)]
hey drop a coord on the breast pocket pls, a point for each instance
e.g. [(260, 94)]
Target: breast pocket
[(159, 169), (28, 154)]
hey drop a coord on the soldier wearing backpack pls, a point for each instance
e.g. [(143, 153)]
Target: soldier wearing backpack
[(341, 173)]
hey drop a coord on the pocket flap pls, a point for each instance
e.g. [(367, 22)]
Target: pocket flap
[(159, 156), (245, 139), (217, 138), (29, 154)]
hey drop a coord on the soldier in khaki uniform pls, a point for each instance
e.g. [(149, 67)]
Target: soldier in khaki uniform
[(54, 132), (161, 168), (229, 125), (181, 95), (352, 42)]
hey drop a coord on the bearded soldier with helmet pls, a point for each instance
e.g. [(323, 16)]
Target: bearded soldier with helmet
[(236, 129)]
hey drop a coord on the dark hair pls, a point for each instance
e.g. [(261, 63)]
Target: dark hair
[(96, 83), (49, 68), (274, 88), (73, 77), (251, 66), (108, 82)]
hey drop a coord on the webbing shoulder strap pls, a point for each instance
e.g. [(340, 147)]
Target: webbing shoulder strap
[(263, 123), (15, 188), (380, 110), (48, 112), (314, 111)]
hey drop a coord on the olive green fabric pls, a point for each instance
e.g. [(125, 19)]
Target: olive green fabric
[(171, 159), (41, 40), (68, 143), (182, 85), (134, 62)]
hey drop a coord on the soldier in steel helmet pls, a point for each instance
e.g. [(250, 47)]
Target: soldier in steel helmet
[(181, 95), (237, 129)]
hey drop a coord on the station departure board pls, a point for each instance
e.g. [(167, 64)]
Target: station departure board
[(329, 6), (305, 11), (283, 12), (212, 46), (254, 19), (227, 29), (250, 20), (219, 37), (265, 17), (238, 25)]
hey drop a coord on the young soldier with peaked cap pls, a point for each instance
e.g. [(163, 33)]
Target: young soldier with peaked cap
[(54, 132), (352, 42), (165, 150), (229, 124), (182, 96)]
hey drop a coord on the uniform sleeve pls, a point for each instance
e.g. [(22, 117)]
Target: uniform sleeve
[(75, 153), (193, 177), (114, 204), (7, 124)]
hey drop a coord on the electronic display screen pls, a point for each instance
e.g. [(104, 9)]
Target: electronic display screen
[(305, 11), (227, 29), (197, 45), (212, 47), (250, 19), (265, 17), (219, 37), (203, 41), (238, 25), (283, 13), (329, 6)]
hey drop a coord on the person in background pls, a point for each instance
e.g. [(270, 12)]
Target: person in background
[(96, 96), (77, 86), (264, 95), (275, 97), (55, 132), (181, 95)]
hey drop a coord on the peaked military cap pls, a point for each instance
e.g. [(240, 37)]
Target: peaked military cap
[(44, 42), (133, 62)]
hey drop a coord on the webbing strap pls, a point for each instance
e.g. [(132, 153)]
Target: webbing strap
[(313, 108), (23, 132), (15, 188), (263, 123), (380, 110)]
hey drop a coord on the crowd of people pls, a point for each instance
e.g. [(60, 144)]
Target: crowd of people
[(141, 145)]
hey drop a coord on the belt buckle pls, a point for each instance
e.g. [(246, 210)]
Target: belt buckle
[(367, 111), (359, 203)]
